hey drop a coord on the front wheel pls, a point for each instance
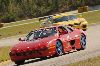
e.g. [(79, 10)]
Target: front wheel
[(59, 48), (19, 62)]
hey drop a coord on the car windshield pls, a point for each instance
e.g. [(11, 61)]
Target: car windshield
[(41, 33), (72, 17), (64, 18), (61, 19)]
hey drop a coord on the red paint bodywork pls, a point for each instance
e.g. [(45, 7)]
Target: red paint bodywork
[(44, 47)]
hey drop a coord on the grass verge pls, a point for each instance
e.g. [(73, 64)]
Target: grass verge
[(17, 30), (89, 62), (92, 17), (4, 51)]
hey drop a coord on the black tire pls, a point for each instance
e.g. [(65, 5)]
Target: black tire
[(19, 62), (82, 42), (59, 48), (43, 58), (84, 29)]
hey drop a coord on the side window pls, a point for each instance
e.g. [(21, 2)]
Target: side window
[(53, 30), (64, 18), (69, 29), (71, 17), (62, 30)]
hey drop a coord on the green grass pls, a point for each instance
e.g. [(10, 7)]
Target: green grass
[(92, 17), (17, 30), (20, 22), (20, 29), (4, 53), (89, 62)]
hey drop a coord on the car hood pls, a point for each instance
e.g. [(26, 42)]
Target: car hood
[(32, 45)]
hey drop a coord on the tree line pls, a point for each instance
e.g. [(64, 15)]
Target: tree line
[(13, 10)]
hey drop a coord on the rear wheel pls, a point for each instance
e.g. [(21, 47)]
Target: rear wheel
[(19, 62), (82, 42), (59, 48)]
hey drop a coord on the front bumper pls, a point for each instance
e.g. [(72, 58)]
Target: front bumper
[(31, 54)]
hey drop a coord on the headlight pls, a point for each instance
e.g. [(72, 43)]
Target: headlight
[(12, 53)]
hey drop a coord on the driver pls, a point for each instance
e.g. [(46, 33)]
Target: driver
[(62, 30)]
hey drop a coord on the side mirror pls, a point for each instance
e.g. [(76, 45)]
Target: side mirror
[(19, 39)]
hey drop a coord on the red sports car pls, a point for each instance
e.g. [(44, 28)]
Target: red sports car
[(46, 42)]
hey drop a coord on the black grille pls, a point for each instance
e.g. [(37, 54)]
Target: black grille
[(84, 26), (29, 52), (76, 23), (26, 53)]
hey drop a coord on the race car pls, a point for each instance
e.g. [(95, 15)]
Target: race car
[(67, 19), (47, 42)]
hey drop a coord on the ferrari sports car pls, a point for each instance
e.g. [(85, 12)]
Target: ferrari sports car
[(47, 42), (71, 20)]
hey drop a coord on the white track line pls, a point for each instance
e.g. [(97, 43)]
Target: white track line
[(17, 25), (22, 21)]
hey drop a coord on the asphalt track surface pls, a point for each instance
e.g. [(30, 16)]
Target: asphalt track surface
[(92, 50)]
